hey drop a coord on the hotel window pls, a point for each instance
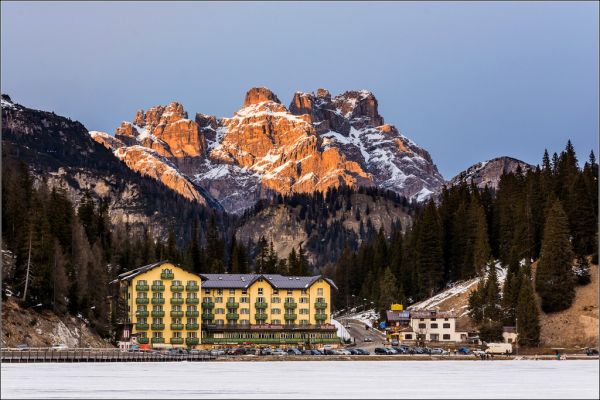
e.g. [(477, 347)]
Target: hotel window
[(177, 295), (304, 300), (275, 291), (408, 336), (244, 311), (157, 321), (218, 299), (176, 308), (191, 283), (157, 334), (231, 299), (276, 322), (320, 292), (289, 292), (128, 295), (433, 319), (207, 300), (157, 295), (445, 319), (142, 282), (157, 282), (289, 300), (304, 322), (260, 300), (434, 337), (219, 291), (142, 295), (192, 321), (191, 334), (142, 335), (206, 291), (422, 326), (260, 291), (220, 322), (142, 308), (275, 311), (244, 300), (219, 311), (275, 299), (244, 291), (232, 291), (177, 321), (446, 336), (303, 291), (141, 320), (177, 334), (434, 326), (176, 283), (244, 322), (304, 311), (157, 308), (189, 308), (446, 326)]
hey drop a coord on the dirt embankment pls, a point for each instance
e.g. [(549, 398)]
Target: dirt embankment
[(44, 329)]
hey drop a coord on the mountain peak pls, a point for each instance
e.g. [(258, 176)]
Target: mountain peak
[(259, 95), (488, 173)]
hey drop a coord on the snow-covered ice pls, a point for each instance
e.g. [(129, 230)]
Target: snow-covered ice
[(305, 379)]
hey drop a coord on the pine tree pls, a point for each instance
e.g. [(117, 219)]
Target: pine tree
[(554, 276), (388, 291), (528, 324), (429, 249), (481, 246)]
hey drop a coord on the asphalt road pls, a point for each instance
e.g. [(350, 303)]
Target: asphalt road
[(359, 333)]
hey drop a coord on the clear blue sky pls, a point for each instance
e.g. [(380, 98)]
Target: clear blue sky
[(468, 81)]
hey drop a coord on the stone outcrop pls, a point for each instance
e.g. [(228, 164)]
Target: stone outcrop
[(488, 173)]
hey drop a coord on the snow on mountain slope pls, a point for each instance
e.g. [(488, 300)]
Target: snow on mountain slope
[(488, 173)]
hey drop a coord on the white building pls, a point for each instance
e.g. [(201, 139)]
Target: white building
[(435, 326)]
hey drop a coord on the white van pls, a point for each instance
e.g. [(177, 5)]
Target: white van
[(499, 348)]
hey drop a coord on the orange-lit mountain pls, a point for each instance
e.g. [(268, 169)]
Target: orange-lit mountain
[(318, 142)]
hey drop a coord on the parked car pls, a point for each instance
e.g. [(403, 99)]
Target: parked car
[(479, 353), (362, 352), (344, 352), (439, 351), (22, 347), (395, 342), (381, 350), (368, 339), (353, 352), (464, 350), (419, 350), (61, 346), (399, 350), (266, 351), (293, 352), (591, 352), (499, 348), (278, 352), (217, 352)]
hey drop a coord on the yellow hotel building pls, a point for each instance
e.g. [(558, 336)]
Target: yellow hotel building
[(222, 310)]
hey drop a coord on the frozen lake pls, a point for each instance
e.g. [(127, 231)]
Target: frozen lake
[(316, 379)]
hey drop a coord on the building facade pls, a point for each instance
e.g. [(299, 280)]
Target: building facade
[(267, 309), (163, 305), (170, 307), (423, 326)]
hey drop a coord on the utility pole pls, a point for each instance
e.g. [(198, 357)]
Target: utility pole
[(517, 330), (28, 267)]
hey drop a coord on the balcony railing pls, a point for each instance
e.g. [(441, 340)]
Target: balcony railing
[(166, 275), (192, 288), (176, 288), (208, 304), (158, 288), (290, 317), (158, 340), (142, 300), (320, 305), (176, 340), (143, 340), (192, 300), (261, 317), (290, 305), (177, 301), (232, 304), (192, 341), (320, 317), (158, 314), (191, 327), (176, 314), (260, 304), (176, 327), (142, 314), (192, 314), (142, 288), (208, 316), (158, 327), (141, 327), (233, 316), (158, 300)]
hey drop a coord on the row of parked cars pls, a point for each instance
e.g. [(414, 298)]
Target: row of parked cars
[(292, 351), (403, 349)]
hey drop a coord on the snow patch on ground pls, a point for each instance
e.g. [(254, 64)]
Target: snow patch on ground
[(342, 332)]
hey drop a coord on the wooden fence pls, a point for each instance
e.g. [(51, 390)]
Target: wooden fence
[(94, 355)]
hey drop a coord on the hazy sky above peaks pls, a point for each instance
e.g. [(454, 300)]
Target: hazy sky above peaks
[(467, 81)]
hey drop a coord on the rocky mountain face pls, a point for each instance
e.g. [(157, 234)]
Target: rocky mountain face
[(61, 153), (488, 173), (317, 143)]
